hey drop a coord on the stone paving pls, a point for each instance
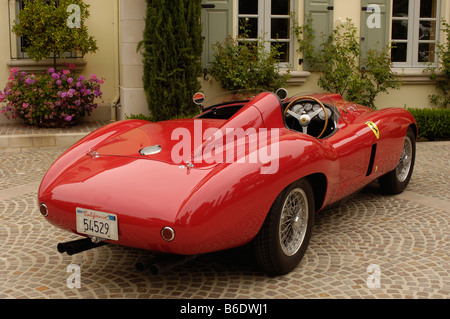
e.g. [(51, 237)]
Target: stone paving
[(405, 239)]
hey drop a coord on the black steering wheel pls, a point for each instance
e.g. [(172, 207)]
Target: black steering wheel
[(305, 117)]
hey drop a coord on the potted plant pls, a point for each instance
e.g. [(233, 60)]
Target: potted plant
[(52, 99)]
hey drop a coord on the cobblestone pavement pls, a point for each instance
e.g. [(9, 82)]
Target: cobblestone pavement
[(405, 239)]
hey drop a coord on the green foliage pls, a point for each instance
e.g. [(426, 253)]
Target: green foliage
[(442, 100), (244, 65), (43, 24), (144, 117), (138, 116), (434, 124), (172, 48), (342, 68)]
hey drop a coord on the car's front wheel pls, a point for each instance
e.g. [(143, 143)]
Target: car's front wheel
[(396, 180), (284, 237)]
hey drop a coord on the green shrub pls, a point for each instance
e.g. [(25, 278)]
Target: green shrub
[(434, 124), (442, 100), (245, 65), (343, 70), (138, 116), (172, 46)]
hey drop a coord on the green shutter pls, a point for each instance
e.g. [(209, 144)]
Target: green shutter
[(217, 22), (374, 37), (320, 12)]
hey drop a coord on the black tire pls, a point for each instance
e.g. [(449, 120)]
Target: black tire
[(398, 179), (278, 256)]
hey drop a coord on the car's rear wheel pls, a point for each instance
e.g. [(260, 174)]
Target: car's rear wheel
[(396, 180), (284, 237)]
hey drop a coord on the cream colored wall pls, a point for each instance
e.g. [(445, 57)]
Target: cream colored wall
[(118, 26), (104, 63), (4, 48), (416, 86), (132, 24)]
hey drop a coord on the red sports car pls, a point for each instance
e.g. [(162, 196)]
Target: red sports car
[(251, 169)]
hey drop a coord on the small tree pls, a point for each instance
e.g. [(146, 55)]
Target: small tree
[(172, 48), (442, 100), (245, 65), (45, 26), (343, 69)]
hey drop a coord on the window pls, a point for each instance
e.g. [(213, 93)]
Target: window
[(269, 20), (415, 30)]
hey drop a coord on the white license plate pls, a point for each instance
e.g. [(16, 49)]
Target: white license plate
[(94, 223)]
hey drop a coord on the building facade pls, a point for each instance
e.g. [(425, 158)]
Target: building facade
[(412, 26)]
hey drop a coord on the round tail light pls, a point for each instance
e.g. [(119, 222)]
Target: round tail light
[(43, 209), (168, 234)]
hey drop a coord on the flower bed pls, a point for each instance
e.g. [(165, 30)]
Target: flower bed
[(55, 98)]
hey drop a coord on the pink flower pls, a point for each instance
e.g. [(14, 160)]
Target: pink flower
[(25, 105), (66, 71)]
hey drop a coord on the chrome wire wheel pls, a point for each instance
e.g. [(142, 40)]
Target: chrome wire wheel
[(396, 181), (293, 221), (284, 237), (404, 165)]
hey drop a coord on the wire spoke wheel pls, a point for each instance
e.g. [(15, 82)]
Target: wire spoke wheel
[(396, 181), (293, 221), (285, 235), (404, 164)]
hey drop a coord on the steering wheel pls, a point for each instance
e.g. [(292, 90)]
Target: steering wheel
[(306, 116)]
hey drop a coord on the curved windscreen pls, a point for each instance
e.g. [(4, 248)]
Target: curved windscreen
[(231, 97)]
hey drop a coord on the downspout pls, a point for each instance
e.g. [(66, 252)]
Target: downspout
[(116, 100)]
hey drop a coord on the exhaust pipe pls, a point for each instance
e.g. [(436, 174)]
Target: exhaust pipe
[(163, 263), (78, 246)]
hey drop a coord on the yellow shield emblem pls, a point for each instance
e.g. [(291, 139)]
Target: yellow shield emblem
[(374, 128)]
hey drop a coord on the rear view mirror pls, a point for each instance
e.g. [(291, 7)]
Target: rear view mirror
[(282, 93), (199, 98)]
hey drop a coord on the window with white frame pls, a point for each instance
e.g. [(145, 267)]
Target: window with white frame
[(269, 20), (415, 31)]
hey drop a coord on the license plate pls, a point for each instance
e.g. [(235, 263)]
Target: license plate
[(94, 223)]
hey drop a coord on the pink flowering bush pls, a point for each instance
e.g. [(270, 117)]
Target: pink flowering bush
[(53, 97)]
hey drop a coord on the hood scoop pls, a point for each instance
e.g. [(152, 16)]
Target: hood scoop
[(151, 150)]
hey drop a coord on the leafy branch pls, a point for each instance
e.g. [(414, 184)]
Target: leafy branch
[(343, 70)]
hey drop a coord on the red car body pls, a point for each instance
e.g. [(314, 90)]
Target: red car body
[(217, 205)]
